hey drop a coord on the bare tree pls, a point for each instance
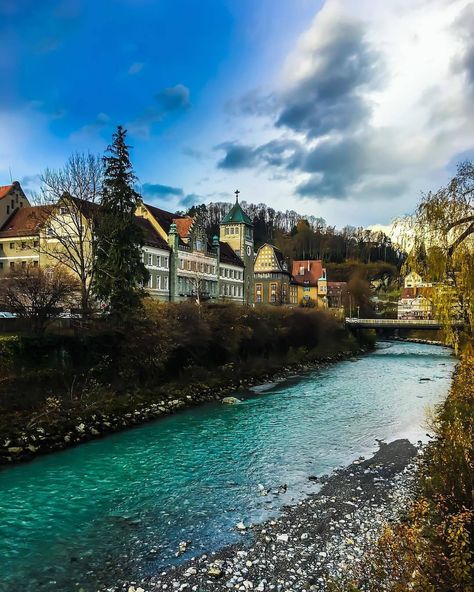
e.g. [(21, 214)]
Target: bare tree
[(38, 295), (73, 192)]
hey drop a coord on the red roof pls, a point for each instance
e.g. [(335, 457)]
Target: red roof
[(408, 293), (183, 225), (336, 287), (25, 221), (5, 190), (312, 271)]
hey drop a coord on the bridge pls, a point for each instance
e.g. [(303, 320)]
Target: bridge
[(393, 323)]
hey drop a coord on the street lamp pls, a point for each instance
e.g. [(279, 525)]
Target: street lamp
[(358, 312)]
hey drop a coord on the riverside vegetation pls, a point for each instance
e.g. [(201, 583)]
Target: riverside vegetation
[(60, 389)]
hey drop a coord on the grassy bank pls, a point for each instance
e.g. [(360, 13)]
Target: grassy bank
[(62, 389), (432, 549)]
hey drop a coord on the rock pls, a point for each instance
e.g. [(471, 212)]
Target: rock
[(80, 428), (215, 571), (282, 538), (15, 449), (231, 401), (240, 526)]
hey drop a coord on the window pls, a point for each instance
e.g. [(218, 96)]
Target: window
[(23, 264), (35, 243), (12, 245), (23, 245), (258, 292), (1, 264), (63, 211), (165, 283), (8, 209), (273, 289), (12, 265), (35, 263), (158, 282), (13, 204), (150, 259)]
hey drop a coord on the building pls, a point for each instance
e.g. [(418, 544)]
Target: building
[(414, 280), (271, 276), (200, 269), (20, 237), (156, 257), (414, 304), (193, 263), (236, 230), (336, 294), (12, 198), (309, 283)]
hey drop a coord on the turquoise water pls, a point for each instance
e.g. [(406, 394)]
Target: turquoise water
[(119, 507)]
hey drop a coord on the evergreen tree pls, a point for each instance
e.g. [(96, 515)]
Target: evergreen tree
[(120, 271)]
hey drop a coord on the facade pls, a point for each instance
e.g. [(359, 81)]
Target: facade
[(309, 284), (414, 280), (198, 269), (21, 237), (416, 298), (414, 304), (271, 276), (336, 294), (156, 257)]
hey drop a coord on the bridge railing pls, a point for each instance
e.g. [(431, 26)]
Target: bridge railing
[(389, 322)]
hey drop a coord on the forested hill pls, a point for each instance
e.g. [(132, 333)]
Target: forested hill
[(305, 237)]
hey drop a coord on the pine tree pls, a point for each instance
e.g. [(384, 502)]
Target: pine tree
[(120, 271)]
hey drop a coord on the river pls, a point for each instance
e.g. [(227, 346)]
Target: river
[(119, 506)]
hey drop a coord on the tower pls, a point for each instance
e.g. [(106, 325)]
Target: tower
[(236, 229)]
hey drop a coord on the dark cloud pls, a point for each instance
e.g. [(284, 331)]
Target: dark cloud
[(168, 101), (157, 190), (462, 29), (328, 98), (190, 200), (277, 153), (174, 98), (237, 156)]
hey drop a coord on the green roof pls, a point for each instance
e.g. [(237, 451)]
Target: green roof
[(237, 216)]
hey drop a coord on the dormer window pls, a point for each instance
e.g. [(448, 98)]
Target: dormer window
[(63, 211), (301, 270)]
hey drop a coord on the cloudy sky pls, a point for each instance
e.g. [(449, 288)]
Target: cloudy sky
[(345, 109)]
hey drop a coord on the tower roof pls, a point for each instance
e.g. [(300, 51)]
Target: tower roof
[(237, 216)]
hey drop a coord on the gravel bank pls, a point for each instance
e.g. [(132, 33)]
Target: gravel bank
[(325, 535)]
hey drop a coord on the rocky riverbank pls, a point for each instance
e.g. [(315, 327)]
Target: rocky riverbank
[(29, 441), (322, 538)]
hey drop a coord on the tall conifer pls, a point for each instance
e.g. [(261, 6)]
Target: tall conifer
[(120, 271)]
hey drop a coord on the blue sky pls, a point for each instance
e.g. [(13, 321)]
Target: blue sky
[(301, 104)]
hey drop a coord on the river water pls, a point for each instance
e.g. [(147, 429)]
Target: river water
[(118, 507)]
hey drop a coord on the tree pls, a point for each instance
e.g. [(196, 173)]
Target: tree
[(73, 193), (38, 295), (443, 248), (120, 272)]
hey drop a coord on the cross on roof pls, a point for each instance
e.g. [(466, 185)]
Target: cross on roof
[(237, 192)]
